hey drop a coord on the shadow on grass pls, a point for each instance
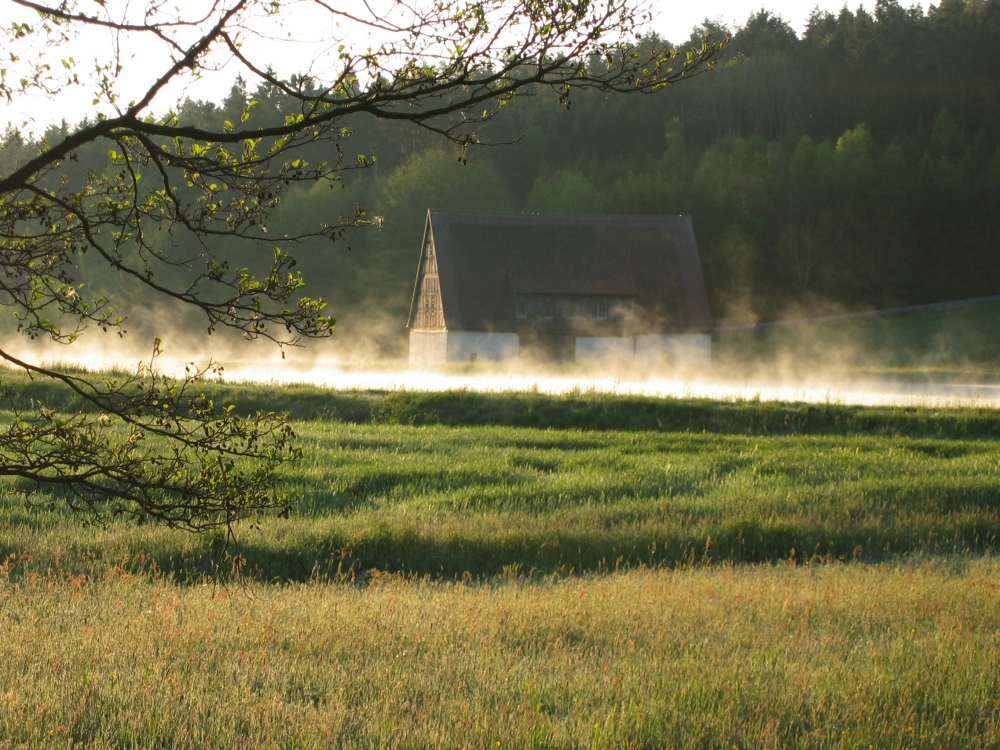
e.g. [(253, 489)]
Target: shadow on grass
[(403, 550)]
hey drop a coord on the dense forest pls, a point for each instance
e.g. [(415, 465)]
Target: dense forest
[(854, 167)]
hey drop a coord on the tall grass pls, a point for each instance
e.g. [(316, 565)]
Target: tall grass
[(834, 656)]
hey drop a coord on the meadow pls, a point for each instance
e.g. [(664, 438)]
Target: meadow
[(522, 570)]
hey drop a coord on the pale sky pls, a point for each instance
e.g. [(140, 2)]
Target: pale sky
[(674, 21)]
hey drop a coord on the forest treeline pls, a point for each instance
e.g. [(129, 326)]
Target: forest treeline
[(854, 167)]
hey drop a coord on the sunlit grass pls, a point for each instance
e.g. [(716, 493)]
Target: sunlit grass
[(829, 656), (454, 502)]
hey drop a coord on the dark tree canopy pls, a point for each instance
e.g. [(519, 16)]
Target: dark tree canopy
[(178, 182)]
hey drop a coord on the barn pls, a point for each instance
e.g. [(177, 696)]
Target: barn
[(504, 286)]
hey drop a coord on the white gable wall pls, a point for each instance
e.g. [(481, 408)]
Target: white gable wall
[(428, 347), (438, 347)]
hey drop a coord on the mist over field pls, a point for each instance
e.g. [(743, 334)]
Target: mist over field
[(933, 358)]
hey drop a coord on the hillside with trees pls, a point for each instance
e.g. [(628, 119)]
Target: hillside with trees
[(855, 167)]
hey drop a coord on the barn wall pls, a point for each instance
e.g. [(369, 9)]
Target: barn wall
[(678, 348), (467, 346), (590, 348), (687, 349), (428, 347), (438, 347)]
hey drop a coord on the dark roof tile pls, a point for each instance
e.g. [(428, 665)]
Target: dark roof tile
[(485, 258)]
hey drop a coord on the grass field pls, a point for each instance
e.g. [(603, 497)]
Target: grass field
[(826, 656), (516, 570)]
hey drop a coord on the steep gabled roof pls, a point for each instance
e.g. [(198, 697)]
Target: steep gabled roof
[(484, 259)]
